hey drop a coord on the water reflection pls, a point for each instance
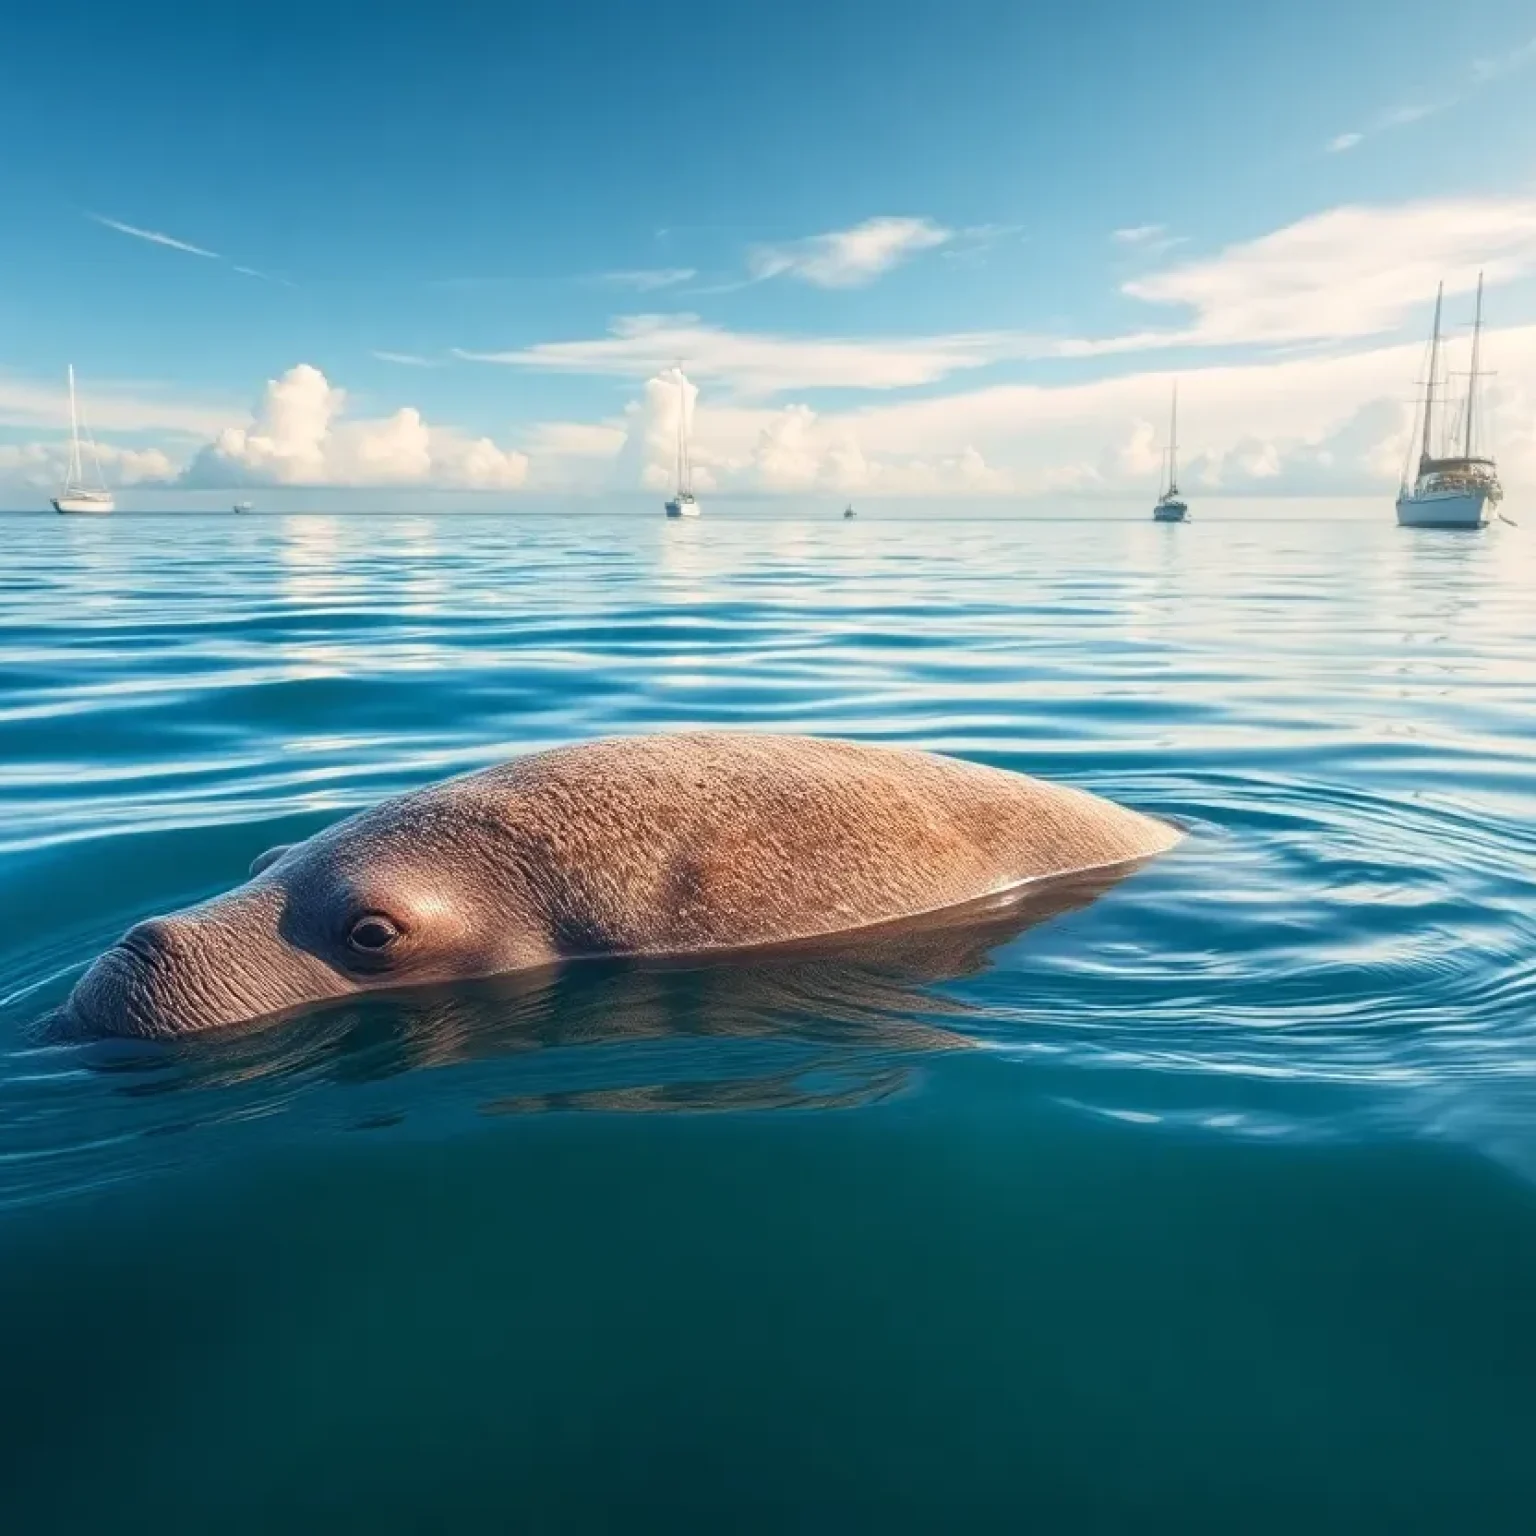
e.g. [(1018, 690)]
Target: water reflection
[(636, 1034)]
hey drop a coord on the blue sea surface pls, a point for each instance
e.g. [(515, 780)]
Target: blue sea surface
[(1226, 1223)]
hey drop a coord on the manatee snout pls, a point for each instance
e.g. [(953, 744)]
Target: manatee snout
[(193, 971)]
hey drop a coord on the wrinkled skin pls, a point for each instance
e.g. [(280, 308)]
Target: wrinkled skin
[(675, 845)]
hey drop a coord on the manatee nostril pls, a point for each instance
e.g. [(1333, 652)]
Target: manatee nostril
[(149, 940)]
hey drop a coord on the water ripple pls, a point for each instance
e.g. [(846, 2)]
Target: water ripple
[(1344, 947)]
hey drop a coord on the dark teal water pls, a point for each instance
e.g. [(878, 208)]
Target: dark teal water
[(1229, 1224)]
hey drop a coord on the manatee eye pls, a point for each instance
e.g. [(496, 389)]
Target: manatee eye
[(372, 934)]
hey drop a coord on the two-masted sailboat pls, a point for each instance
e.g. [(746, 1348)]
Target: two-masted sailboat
[(1451, 490), (683, 503), (77, 495), (1171, 507)]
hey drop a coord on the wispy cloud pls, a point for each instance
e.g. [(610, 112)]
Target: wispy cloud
[(1152, 239), (1479, 72), (1505, 63), (848, 258), (1347, 273), (408, 359), (115, 407), (170, 242), (1398, 117), (266, 277), (154, 236), (971, 246), (756, 364), (647, 280)]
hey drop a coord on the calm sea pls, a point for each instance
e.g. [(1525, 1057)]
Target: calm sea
[(1229, 1224)]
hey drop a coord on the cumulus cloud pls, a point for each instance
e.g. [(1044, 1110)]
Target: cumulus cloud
[(298, 436), (787, 450), (1303, 424), (848, 258), (648, 455)]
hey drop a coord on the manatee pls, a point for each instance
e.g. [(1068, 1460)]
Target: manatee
[(681, 845)]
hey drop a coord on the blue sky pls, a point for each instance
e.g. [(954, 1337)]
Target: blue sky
[(937, 248)]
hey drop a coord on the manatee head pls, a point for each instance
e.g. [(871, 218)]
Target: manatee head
[(405, 894)]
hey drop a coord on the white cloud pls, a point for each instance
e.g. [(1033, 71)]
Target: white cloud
[(1350, 272), (406, 359), (297, 436), (41, 466), (155, 237), (648, 279), (1506, 63), (648, 456), (1302, 424), (1346, 273), (785, 450), (848, 258), (1399, 117), (266, 277), (109, 407), (1479, 73), (1147, 239), (756, 364)]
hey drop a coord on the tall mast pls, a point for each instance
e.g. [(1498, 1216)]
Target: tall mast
[(682, 406), (1173, 443), (75, 471), (1429, 389), (1477, 337)]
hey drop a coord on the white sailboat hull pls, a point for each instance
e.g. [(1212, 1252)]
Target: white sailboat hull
[(1443, 509), (86, 503), (682, 506)]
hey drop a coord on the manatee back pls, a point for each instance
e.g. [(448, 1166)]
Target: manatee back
[(683, 843)]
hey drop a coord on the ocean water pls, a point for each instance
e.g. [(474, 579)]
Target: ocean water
[(1226, 1223)]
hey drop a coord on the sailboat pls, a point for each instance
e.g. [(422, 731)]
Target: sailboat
[(1171, 507), (77, 496), (682, 503), (1453, 491)]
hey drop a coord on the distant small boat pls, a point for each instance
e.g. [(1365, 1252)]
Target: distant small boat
[(1171, 507), (1451, 491), (76, 495), (242, 506), (849, 512), (682, 503)]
